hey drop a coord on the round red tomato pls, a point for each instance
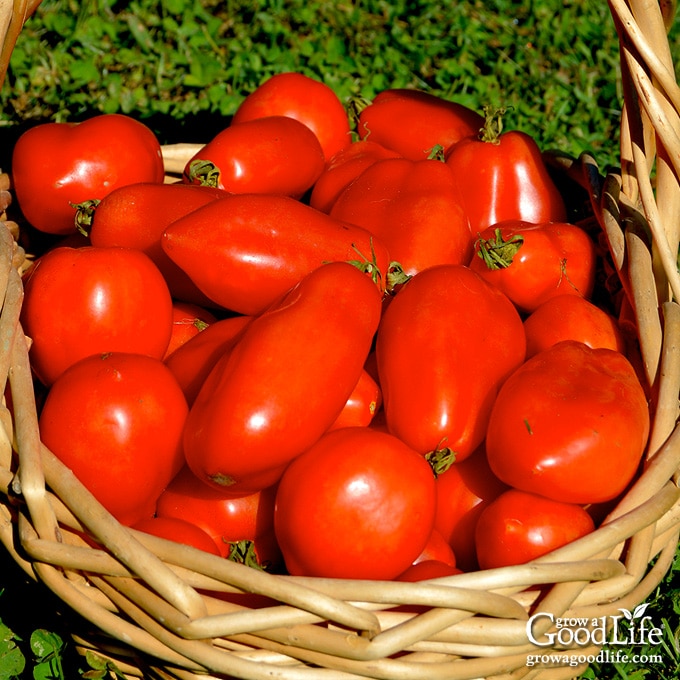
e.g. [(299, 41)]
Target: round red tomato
[(518, 527), (57, 165), (570, 424), (358, 504), (116, 421), (180, 531), (426, 570), (308, 100), (272, 155), (82, 301)]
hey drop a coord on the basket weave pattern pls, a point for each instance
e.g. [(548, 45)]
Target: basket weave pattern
[(167, 610)]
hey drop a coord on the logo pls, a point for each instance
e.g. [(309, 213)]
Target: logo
[(620, 634)]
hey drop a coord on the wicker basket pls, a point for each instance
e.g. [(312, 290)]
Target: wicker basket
[(156, 604)]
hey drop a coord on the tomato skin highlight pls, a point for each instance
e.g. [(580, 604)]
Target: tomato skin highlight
[(477, 337), (259, 246), (116, 420), (570, 424), (284, 382), (358, 504), (82, 301), (518, 527), (272, 155), (554, 258), (55, 165)]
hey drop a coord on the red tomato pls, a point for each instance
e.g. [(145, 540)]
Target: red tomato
[(267, 244), (188, 320), (136, 215), (192, 362), (571, 317), (358, 504), (273, 155), (463, 491), (426, 570), (178, 530), (437, 549), (227, 519), (307, 100), (570, 424), (284, 382), (414, 208), (57, 165), (413, 122), (116, 421), (446, 343), (343, 168), (518, 527), (82, 301), (502, 177), (532, 263), (362, 404)]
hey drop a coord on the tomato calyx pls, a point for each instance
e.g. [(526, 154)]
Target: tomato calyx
[(243, 552), (84, 215), (493, 124), (204, 172), (354, 107), (441, 459), (498, 252), (437, 153), (396, 276)]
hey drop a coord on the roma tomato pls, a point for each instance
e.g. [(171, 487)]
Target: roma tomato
[(178, 530), (362, 404), (57, 165), (570, 424), (82, 301), (358, 504), (343, 168), (414, 208), (518, 527), (532, 263), (284, 382), (502, 177), (571, 317), (136, 215), (188, 320), (227, 519), (116, 421), (413, 122), (463, 491), (273, 155), (246, 251), (305, 99), (192, 362), (446, 343)]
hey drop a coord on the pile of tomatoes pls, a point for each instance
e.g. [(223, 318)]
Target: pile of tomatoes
[(346, 347)]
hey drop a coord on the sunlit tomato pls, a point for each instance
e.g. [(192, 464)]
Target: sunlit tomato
[(518, 527), (463, 491), (358, 504), (116, 421), (82, 301), (307, 100), (273, 155), (570, 424), (571, 317), (414, 208), (413, 122), (532, 263), (179, 530), (136, 215), (188, 320), (343, 168), (192, 362), (227, 519), (426, 570), (437, 549), (446, 343), (502, 176), (284, 382), (58, 165), (362, 404), (267, 244)]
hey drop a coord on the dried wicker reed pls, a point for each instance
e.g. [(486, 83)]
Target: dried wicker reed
[(157, 605)]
